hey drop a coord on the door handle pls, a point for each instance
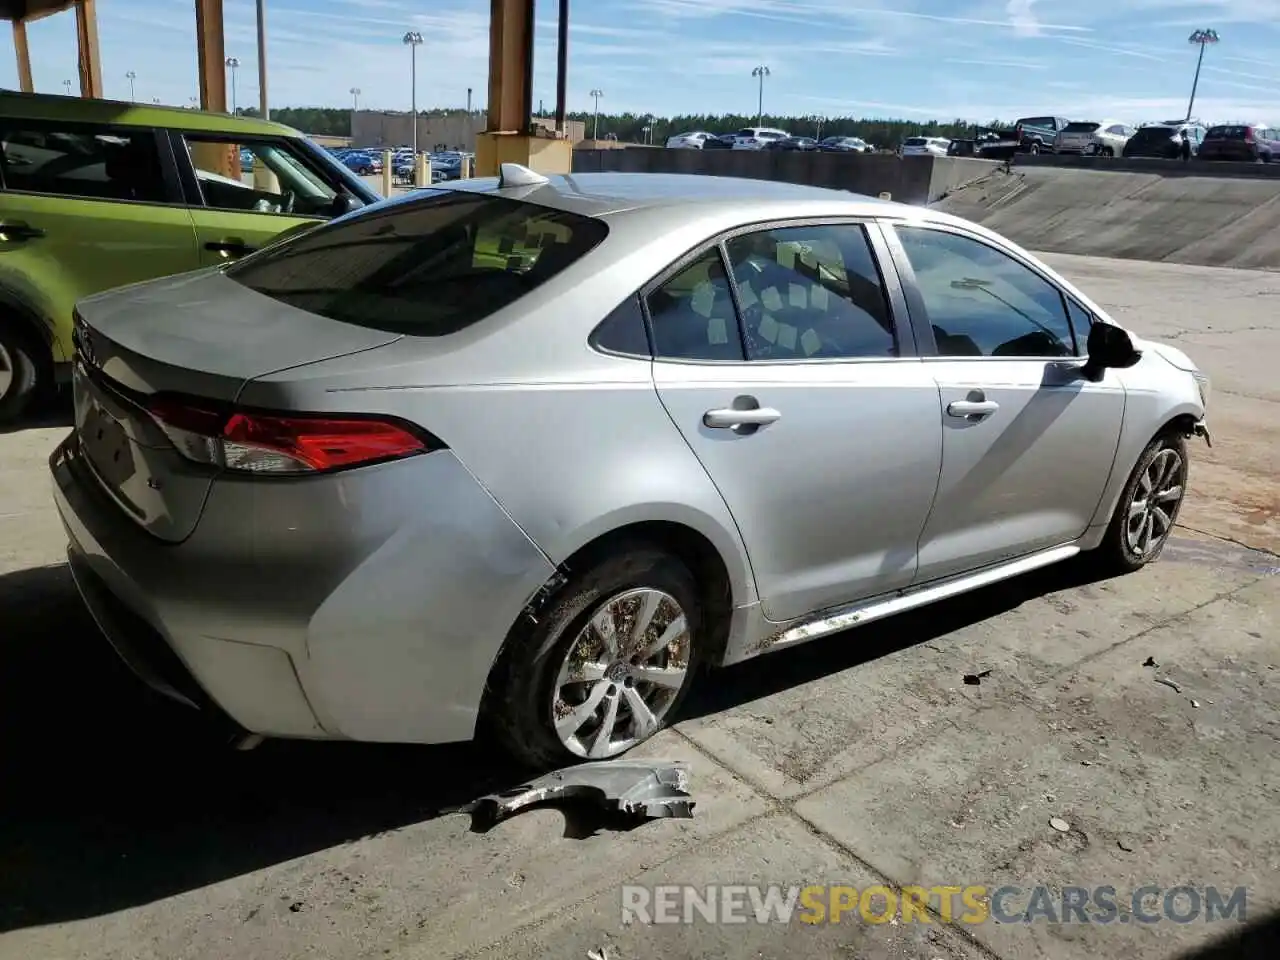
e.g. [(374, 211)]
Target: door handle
[(229, 248), (19, 230), (971, 408), (727, 418)]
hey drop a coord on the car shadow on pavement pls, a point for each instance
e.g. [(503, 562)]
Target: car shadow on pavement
[(115, 797), (785, 669), (1259, 940), (55, 412)]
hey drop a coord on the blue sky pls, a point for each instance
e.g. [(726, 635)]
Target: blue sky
[(977, 59)]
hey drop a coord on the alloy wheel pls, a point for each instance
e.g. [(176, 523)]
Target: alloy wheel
[(1155, 503), (8, 372), (621, 674)]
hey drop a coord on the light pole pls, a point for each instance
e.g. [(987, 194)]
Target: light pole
[(1203, 38), (413, 40), (131, 76), (233, 64), (761, 71), (67, 84), (355, 99), (263, 108), (195, 102), (818, 122), (596, 95)]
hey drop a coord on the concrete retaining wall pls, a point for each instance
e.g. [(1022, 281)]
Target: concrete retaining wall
[(1217, 169), (918, 180), (1167, 213)]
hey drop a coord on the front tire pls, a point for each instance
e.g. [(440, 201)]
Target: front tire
[(20, 371), (1148, 508), (608, 661)]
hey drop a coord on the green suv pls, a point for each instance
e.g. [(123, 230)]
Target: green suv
[(96, 194)]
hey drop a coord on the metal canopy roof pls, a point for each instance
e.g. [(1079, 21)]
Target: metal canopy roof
[(32, 9)]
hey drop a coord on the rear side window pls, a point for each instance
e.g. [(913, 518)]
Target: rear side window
[(623, 330), (92, 163), (428, 267), (1037, 122), (692, 313)]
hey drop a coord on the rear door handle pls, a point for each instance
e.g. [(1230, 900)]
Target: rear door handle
[(971, 408), (19, 230), (727, 418), (229, 248)]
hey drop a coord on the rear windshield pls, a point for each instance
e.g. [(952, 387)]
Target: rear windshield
[(745, 132), (1036, 122), (1155, 133), (915, 141), (428, 267), (1227, 133), (1080, 127)]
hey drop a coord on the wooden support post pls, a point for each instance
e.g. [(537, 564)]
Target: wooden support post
[(24, 56), (510, 65), (90, 56), (510, 137), (212, 55)]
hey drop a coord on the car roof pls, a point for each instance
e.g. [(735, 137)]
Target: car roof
[(605, 194), (44, 106)]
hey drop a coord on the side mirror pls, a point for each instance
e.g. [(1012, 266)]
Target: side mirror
[(342, 203), (1109, 347)]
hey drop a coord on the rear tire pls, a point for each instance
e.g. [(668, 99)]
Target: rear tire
[(1148, 509), (1034, 149), (558, 671), (21, 371), (1108, 152)]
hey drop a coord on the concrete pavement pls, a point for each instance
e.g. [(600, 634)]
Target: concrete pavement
[(866, 758)]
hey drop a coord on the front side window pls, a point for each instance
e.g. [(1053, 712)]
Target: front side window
[(811, 292), (983, 303), (258, 177), (90, 163), (691, 314), (429, 267)]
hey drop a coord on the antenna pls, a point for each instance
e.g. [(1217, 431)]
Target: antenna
[(516, 175)]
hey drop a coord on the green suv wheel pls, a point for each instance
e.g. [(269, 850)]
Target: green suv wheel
[(19, 371)]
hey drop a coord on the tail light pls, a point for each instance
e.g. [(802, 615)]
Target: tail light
[(1248, 135), (1017, 132), (279, 444)]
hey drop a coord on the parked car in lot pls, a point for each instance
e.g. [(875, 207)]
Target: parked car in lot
[(1038, 134), (793, 143), (844, 145), (757, 138), (97, 194), (925, 146), (361, 163), (1163, 140), (337, 489), (694, 140), (1242, 142), (719, 142), (1101, 138)]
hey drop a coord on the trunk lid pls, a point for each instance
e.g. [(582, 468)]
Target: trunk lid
[(197, 334)]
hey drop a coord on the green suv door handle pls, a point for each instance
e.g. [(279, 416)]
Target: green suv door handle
[(19, 230), (230, 248)]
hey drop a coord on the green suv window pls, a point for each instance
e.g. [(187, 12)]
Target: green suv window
[(258, 176), (93, 163)]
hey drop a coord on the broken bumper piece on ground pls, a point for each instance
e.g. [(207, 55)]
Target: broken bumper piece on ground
[(644, 789)]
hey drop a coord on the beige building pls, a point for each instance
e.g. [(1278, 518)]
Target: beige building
[(457, 131)]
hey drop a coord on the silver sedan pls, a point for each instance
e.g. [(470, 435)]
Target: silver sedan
[(524, 453)]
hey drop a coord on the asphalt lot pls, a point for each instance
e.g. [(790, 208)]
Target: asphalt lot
[(866, 758)]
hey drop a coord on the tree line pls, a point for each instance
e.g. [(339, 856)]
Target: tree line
[(630, 127)]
